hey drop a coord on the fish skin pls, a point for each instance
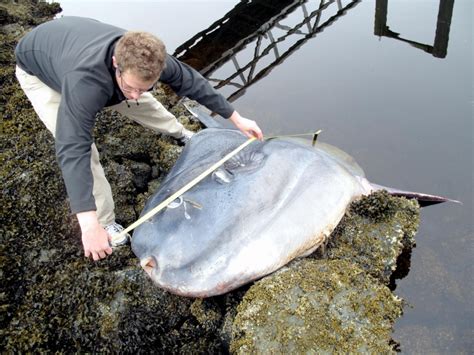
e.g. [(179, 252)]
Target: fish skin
[(275, 201)]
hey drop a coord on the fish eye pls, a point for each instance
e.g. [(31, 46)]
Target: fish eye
[(176, 203), (222, 176)]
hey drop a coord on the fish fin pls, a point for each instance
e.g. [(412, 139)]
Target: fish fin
[(203, 117), (245, 161), (423, 199)]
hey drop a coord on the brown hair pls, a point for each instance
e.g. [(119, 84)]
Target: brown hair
[(142, 54)]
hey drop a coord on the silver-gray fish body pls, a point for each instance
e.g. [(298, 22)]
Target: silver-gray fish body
[(274, 201)]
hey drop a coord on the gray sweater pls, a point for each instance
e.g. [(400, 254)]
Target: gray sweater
[(73, 56)]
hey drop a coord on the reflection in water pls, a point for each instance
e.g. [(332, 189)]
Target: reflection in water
[(256, 36), (263, 33), (440, 47)]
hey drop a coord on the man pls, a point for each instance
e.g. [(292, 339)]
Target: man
[(71, 68)]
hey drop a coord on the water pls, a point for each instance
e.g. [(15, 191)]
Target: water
[(405, 114)]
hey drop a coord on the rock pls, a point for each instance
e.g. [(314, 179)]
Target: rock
[(4, 16), (316, 306), (374, 232), (207, 313)]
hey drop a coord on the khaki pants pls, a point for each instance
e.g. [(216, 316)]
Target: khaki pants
[(149, 113)]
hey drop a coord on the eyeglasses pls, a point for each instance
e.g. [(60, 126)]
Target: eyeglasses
[(127, 88)]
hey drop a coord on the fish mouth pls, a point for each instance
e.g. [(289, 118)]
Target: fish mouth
[(186, 288), (148, 264)]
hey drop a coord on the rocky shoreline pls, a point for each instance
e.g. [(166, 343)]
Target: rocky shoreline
[(53, 299)]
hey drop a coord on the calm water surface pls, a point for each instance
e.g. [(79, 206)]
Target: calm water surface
[(385, 84)]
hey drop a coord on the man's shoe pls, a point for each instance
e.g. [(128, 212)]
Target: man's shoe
[(186, 137), (117, 239)]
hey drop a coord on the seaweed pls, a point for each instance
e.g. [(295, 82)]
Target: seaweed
[(323, 306)]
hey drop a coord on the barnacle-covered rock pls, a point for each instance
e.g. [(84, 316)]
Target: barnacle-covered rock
[(374, 232), (317, 306)]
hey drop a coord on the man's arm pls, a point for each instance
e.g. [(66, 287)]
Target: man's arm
[(76, 117), (186, 81)]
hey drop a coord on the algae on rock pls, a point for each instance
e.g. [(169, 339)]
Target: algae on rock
[(316, 306), (374, 232)]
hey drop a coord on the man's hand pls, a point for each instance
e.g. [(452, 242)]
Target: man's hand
[(95, 239), (246, 126)]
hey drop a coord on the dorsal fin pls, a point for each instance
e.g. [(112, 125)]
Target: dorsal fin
[(342, 157)]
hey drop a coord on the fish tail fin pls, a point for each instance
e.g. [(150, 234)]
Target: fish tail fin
[(423, 199)]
